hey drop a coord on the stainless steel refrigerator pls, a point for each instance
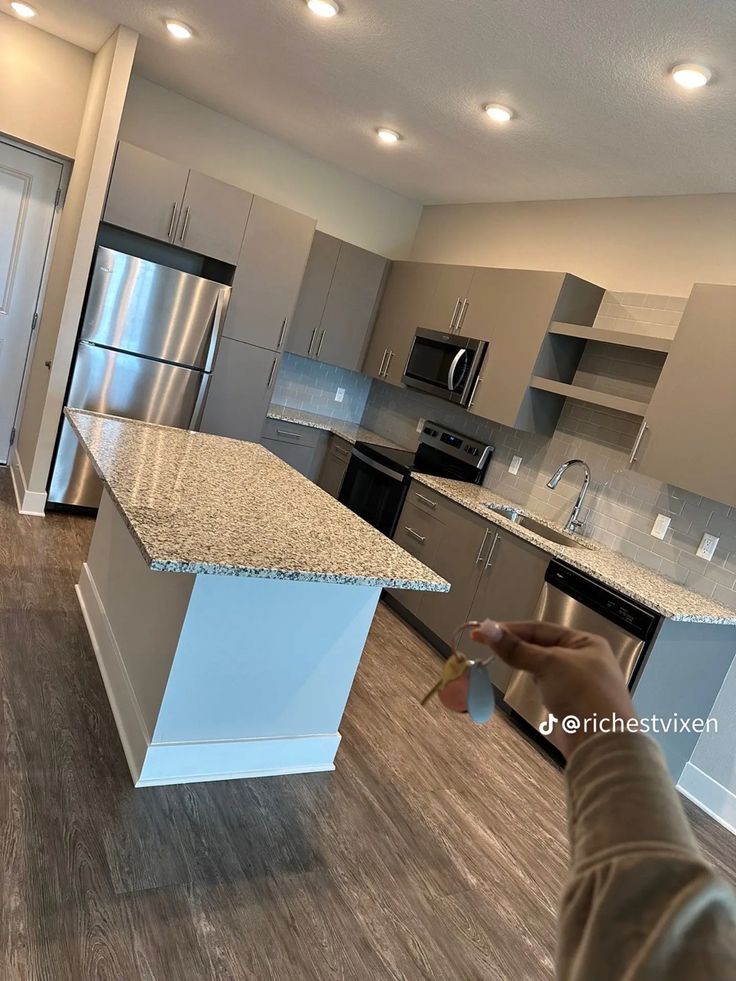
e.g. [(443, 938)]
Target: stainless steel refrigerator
[(147, 344)]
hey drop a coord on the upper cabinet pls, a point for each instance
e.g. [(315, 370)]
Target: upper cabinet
[(695, 401), (166, 200), (337, 303), (269, 274)]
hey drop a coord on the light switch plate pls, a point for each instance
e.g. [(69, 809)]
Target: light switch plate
[(421, 424), (660, 526), (339, 394), (707, 547), (515, 464)]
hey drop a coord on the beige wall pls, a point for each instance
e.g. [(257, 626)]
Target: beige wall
[(343, 204), (71, 261), (638, 245), (43, 87)]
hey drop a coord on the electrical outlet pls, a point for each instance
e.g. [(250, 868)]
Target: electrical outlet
[(514, 465), (421, 424), (660, 526), (707, 547), (339, 394)]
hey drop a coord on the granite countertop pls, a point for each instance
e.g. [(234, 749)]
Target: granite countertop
[(205, 504), (646, 587), (350, 431)]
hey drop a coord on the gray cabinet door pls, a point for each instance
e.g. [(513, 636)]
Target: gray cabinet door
[(351, 306), (269, 274), (466, 544), (513, 309), (145, 192), (451, 286), (306, 459), (334, 466), (240, 391), (406, 298), (422, 536), (305, 324), (213, 217), (689, 420), (509, 588)]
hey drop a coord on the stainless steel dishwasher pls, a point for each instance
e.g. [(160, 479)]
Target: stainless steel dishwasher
[(576, 601)]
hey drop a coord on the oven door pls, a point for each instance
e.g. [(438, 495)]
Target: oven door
[(374, 492), (445, 365)]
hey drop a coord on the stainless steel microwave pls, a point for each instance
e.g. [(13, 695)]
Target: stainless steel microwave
[(445, 365)]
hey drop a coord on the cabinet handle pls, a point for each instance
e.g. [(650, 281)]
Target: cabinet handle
[(414, 534), (493, 549), (339, 451), (311, 342), (285, 432), (637, 442), (454, 315), (272, 372), (383, 359), (461, 317), (319, 346), (284, 322), (472, 394), (430, 504), (479, 558), (185, 224), (388, 363), (172, 223)]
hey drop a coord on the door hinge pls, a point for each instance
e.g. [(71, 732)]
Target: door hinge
[(34, 322), (58, 196), (12, 435)]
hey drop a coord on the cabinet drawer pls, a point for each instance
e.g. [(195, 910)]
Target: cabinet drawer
[(419, 534), (427, 501), (291, 432)]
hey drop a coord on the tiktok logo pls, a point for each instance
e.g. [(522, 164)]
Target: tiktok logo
[(548, 725)]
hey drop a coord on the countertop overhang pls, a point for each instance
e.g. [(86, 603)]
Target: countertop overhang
[(202, 504)]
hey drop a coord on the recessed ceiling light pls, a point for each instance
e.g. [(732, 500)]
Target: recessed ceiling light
[(388, 135), (180, 31), (23, 9), (498, 113), (324, 8), (691, 76)]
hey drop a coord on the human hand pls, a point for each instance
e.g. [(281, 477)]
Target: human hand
[(576, 672)]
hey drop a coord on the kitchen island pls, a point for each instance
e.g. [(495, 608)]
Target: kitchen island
[(228, 600)]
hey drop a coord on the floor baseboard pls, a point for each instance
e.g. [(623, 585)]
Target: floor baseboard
[(709, 795)]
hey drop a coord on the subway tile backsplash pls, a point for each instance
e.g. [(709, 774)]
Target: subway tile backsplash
[(311, 385)]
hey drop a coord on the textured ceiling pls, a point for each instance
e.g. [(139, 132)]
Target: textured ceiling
[(598, 115)]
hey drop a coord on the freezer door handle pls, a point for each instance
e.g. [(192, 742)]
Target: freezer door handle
[(218, 318), (198, 410)]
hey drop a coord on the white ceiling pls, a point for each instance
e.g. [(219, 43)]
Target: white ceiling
[(598, 115)]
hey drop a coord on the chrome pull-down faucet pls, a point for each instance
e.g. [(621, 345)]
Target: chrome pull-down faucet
[(574, 523)]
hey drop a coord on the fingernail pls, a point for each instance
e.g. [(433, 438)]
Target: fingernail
[(489, 630)]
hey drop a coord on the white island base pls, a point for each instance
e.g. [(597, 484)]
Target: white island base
[(216, 677)]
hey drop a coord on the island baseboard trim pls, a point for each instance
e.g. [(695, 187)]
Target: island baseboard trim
[(711, 796), (172, 763), (126, 711)]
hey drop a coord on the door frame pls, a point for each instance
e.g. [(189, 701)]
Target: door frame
[(66, 168)]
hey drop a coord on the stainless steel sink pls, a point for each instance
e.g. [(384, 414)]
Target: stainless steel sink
[(531, 524)]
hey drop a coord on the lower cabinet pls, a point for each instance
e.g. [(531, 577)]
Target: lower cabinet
[(302, 447), (493, 573), (334, 465)]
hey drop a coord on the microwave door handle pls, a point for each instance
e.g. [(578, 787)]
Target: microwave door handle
[(453, 368)]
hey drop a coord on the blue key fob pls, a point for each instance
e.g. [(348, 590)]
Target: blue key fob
[(481, 697)]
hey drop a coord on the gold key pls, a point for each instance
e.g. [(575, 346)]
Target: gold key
[(455, 667)]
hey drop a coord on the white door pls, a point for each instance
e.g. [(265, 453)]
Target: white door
[(28, 188)]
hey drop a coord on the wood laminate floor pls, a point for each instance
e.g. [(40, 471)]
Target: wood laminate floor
[(436, 850)]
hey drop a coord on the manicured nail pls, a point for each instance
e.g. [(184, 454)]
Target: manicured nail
[(489, 630)]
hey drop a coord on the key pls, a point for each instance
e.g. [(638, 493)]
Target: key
[(455, 667)]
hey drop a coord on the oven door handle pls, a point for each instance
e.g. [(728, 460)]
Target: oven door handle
[(386, 471), (453, 368)]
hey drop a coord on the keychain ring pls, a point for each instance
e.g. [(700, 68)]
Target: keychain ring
[(457, 637)]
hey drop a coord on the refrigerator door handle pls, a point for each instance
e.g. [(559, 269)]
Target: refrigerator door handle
[(198, 410), (217, 321)]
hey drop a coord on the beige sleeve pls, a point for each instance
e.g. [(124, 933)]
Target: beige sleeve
[(641, 902)]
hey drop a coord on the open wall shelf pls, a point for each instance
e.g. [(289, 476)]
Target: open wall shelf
[(589, 395), (646, 342)]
